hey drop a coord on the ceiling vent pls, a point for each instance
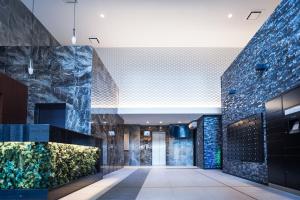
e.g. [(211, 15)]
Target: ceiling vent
[(94, 40), (70, 1), (254, 15)]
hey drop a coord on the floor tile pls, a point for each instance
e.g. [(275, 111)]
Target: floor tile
[(267, 193)]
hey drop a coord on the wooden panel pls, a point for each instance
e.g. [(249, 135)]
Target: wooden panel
[(1, 107), (13, 101)]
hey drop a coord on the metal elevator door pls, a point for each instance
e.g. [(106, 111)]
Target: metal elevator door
[(159, 148)]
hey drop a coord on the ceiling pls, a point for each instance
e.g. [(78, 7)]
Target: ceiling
[(158, 119), (155, 23), (168, 80)]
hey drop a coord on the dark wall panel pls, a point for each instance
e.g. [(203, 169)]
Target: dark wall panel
[(283, 139), (13, 101), (276, 44)]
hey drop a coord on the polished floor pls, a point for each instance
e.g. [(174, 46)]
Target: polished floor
[(177, 184)]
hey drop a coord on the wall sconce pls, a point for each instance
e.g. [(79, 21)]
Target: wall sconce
[(261, 67), (232, 91)]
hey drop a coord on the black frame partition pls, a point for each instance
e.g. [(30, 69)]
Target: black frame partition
[(283, 139)]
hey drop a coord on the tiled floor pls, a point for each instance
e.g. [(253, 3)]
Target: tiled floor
[(94, 191), (190, 184), (196, 184)]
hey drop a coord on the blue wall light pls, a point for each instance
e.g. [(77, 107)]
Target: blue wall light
[(232, 91), (261, 67)]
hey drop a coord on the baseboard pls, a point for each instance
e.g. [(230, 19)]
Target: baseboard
[(290, 190)]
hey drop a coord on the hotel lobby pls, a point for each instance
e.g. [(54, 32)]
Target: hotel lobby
[(149, 100)]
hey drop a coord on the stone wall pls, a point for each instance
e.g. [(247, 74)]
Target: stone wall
[(180, 151), (16, 26), (209, 142), (133, 155), (112, 146), (62, 74), (276, 44)]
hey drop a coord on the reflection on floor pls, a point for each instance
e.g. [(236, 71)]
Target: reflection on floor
[(173, 183), (129, 188)]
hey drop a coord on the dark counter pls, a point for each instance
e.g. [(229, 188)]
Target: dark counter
[(45, 133)]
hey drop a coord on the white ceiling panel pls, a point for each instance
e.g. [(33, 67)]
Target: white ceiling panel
[(155, 23)]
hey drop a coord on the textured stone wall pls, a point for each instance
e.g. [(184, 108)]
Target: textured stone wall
[(62, 74), (199, 144), (276, 44), (209, 142), (134, 132), (146, 146), (179, 151), (16, 26), (112, 146)]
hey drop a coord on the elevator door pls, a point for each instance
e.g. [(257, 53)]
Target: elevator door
[(159, 148)]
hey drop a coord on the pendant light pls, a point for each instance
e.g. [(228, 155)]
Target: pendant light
[(30, 64), (74, 18)]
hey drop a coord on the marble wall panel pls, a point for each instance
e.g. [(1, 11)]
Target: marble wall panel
[(18, 27), (179, 151), (62, 74), (112, 146), (134, 132)]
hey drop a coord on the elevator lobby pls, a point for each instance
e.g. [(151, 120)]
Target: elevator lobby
[(149, 100)]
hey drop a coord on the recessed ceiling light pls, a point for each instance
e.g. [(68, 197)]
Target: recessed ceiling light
[(179, 122), (229, 15), (102, 15), (160, 122), (147, 122)]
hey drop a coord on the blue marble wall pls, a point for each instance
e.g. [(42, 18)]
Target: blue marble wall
[(62, 74), (180, 151), (146, 145), (16, 26), (276, 44), (209, 142), (113, 157), (134, 132)]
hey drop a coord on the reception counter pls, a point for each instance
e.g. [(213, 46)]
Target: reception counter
[(40, 161)]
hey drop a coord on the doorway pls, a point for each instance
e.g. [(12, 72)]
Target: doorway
[(158, 148)]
